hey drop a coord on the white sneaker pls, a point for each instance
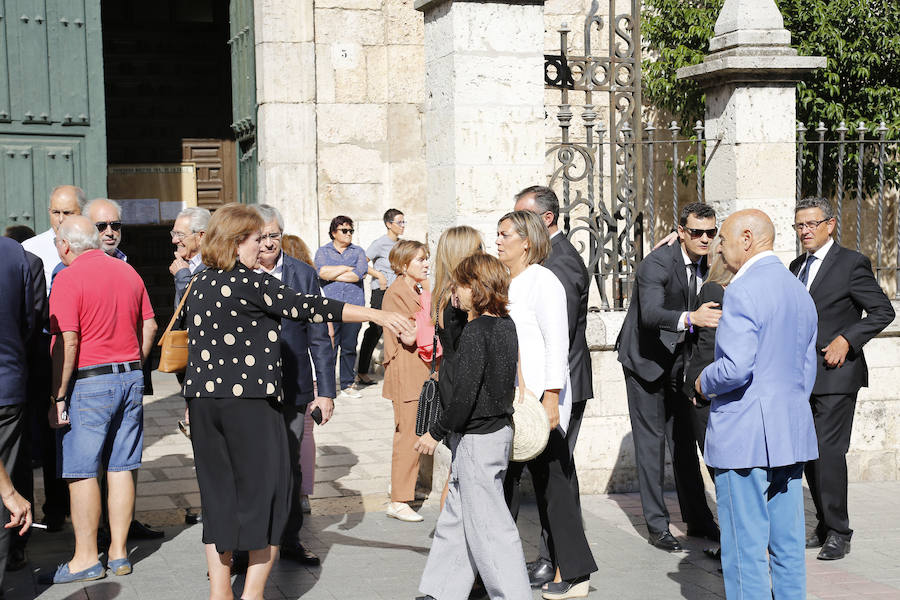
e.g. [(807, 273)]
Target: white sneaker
[(402, 512), (349, 393)]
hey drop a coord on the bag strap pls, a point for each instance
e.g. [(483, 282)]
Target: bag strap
[(177, 312), (521, 379), (434, 344)]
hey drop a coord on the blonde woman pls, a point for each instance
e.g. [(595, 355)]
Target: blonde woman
[(405, 371)]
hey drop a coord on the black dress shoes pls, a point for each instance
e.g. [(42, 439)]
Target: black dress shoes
[(141, 531), (539, 573), (296, 552), (835, 547), (815, 540), (709, 531), (664, 541)]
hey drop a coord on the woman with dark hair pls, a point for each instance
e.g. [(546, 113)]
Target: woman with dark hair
[(233, 388), (475, 532), (342, 266)]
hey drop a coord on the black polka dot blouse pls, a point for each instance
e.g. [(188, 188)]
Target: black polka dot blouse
[(233, 320)]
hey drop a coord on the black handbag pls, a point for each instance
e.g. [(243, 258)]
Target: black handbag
[(429, 410)]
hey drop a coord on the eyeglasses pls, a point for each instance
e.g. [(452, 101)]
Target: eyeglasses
[(102, 225), (400, 223), (270, 236), (811, 225), (180, 235), (345, 230), (696, 233)]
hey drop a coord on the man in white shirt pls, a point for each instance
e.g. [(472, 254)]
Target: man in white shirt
[(65, 200)]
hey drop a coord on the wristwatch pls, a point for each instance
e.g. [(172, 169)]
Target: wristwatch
[(54, 400)]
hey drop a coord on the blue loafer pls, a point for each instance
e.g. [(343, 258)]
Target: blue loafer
[(120, 566), (63, 575)]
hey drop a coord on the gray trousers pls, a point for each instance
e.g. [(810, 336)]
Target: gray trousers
[(475, 532), (293, 423)]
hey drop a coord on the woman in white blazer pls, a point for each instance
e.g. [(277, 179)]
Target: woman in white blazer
[(537, 305)]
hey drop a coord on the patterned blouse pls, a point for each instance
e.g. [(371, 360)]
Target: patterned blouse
[(233, 320)]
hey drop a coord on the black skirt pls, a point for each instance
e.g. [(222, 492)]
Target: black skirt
[(241, 457)]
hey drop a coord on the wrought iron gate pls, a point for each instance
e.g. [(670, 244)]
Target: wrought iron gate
[(607, 232)]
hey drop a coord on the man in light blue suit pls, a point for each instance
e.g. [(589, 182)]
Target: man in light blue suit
[(761, 430)]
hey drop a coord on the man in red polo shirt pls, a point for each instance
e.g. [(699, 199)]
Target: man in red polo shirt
[(103, 327)]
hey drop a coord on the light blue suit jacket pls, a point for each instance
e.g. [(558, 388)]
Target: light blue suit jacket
[(763, 373)]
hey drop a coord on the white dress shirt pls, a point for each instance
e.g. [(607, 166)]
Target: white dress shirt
[(42, 245), (753, 259), (195, 262), (277, 271), (537, 305), (814, 266)]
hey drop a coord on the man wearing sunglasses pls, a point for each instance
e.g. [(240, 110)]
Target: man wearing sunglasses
[(663, 311), (842, 286), (106, 215)]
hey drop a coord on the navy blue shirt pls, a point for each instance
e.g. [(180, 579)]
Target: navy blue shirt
[(353, 256), (16, 321)]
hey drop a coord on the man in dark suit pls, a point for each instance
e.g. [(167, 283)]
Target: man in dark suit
[(842, 286), (17, 328), (651, 346), (299, 341), (565, 262)]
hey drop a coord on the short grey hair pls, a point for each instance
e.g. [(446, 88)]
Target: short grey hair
[(87, 208), (270, 213), (816, 202), (80, 196), (545, 200), (198, 218), (79, 240)]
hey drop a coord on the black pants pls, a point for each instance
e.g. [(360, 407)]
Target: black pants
[(371, 336), (827, 476), (56, 492), (14, 454), (559, 512), (293, 425), (571, 438), (660, 413)]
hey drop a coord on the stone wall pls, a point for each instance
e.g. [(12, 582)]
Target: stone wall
[(605, 451)]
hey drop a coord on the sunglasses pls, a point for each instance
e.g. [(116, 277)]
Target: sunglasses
[(344, 230), (696, 233), (102, 225)]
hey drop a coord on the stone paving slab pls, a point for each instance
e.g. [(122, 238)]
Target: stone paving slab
[(366, 555)]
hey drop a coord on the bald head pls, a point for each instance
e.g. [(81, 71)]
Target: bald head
[(65, 201), (745, 234), (76, 235)]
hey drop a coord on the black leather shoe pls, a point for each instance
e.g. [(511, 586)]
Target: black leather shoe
[(424, 597), (713, 553), (834, 548), (665, 541), (296, 552), (541, 573), (815, 540), (140, 531), (709, 531)]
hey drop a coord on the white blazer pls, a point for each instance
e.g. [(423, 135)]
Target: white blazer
[(537, 305)]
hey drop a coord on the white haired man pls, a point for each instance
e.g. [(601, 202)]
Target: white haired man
[(188, 230)]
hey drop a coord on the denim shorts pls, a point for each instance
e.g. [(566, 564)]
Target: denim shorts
[(106, 426)]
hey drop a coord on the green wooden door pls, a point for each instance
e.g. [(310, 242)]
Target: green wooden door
[(52, 117), (243, 96)]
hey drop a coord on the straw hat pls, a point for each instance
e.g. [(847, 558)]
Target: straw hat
[(531, 427)]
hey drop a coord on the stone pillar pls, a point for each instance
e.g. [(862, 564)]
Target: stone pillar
[(286, 119), (484, 109), (750, 80)]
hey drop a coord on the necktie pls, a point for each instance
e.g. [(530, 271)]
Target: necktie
[(804, 272), (692, 286)]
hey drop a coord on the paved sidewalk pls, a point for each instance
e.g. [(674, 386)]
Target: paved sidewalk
[(366, 555)]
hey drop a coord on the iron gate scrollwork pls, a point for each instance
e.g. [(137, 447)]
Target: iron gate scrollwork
[(608, 233)]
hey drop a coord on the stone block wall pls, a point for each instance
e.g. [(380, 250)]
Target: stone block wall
[(605, 451)]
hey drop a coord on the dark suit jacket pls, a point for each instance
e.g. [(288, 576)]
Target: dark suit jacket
[(39, 287), (16, 321), (299, 340), (566, 264), (702, 343), (845, 286), (649, 336), (182, 279)]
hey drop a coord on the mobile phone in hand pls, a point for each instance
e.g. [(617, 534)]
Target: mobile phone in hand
[(316, 415)]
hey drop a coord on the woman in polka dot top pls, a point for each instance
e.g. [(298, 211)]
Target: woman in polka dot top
[(233, 387)]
